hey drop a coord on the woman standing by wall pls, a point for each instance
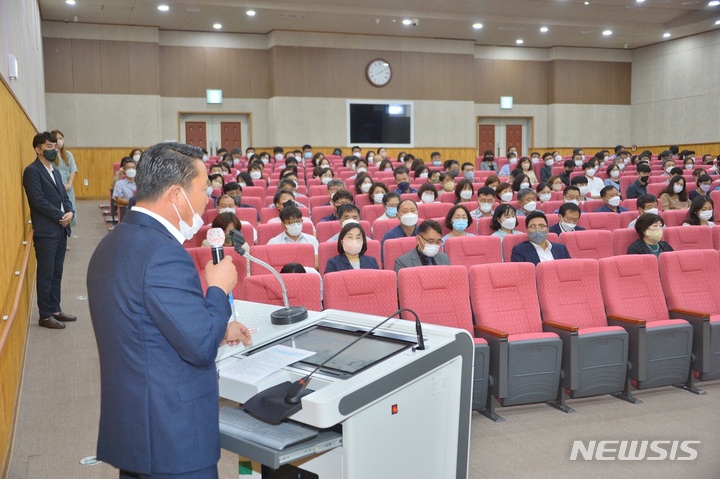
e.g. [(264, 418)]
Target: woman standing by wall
[(65, 164)]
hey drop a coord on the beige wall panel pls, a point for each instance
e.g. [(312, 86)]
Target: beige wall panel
[(86, 61), (58, 65), (170, 72), (587, 82), (115, 67), (143, 64)]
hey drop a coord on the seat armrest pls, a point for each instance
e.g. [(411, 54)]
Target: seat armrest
[(625, 319), (678, 313), (492, 332), (565, 327)]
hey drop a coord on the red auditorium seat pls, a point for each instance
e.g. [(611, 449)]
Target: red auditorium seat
[(674, 217), (367, 291), (303, 289), (593, 244), (393, 248), (622, 238), (600, 221), (328, 229), (202, 255), (278, 255), (268, 231), (471, 250), (689, 237), (509, 241)]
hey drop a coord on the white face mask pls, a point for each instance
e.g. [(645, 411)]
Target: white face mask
[(530, 206), (137, 158), (590, 172), (575, 202), (513, 161), (583, 158), (430, 250), (621, 166), (486, 207), (578, 162), (669, 169), (427, 198), (377, 198), (357, 154), (544, 197), (205, 158), (348, 221), (567, 226), (677, 188), (507, 196), (424, 174), (534, 160), (186, 230), (614, 201), (130, 173), (508, 223), (557, 187), (584, 190), (549, 162), (524, 185), (558, 158), (614, 174), (325, 180), (409, 219), (365, 187), (652, 211), (226, 210), (294, 229), (362, 169), (705, 215), (209, 191), (279, 156), (255, 175), (371, 159), (466, 194), (236, 161)]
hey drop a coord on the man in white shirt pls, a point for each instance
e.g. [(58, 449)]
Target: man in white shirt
[(292, 220), (594, 183)]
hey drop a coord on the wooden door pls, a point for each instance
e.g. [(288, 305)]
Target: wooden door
[(196, 134), (486, 138), (513, 137), (231, 135)]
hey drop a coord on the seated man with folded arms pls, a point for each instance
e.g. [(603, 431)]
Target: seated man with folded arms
[(427, 251), (611, 197), (569, 215), (538, 249)]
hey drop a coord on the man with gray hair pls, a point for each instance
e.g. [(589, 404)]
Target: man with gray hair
[(157, 333), (527, 202)]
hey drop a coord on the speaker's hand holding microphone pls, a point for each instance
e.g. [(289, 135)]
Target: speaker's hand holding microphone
[(220, 271)]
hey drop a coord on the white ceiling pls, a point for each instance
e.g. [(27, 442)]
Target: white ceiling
[(570, 22)]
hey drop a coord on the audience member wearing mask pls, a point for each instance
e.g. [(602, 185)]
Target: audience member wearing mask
[(390, 201), (613, 173), (538, 249), (611, 197), (463, 191), (292, 221), (646, 203), (427, 193), (674, 196), (402, 179), (546, 170), (527, 202), (458, 220), (639, 187), (125, 188), (348, 214), (486, 201), (568, 216), (376, 193), (407, 213), (649, 228), (544, 193), (504, 192), (427, 252), (488, 163), (227, 221), (704, 185), (234, 191), (468, 171), (352, 246), (700, 212), (342, 197), (504, 221)]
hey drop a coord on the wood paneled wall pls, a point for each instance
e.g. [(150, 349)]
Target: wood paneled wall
[(96, 165), (100, 66), (114, 67), (16, 152), (589, 83)]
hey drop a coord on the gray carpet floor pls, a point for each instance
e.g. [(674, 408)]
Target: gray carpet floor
[(59, 409)]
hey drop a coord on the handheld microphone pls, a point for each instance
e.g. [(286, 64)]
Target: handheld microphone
[(216, 238), (283, 400), (289, 315)]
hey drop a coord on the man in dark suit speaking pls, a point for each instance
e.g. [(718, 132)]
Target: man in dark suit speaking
[(51, 212), (157, 334)]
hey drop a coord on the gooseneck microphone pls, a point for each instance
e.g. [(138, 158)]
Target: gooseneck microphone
[(289, 315), (283, 400)]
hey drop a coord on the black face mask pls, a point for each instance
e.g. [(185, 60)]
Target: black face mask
[(237, 200), (288, 203), (489, 158), (644, 179)]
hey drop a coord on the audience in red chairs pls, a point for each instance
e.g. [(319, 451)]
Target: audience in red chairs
[(611, 197), (700, 212), (568, 215), (407, 213), (292, 220), (348, 213), (674, 196), (457, 221), (486, 201), (538, 249), (504, 221), (646, 203)]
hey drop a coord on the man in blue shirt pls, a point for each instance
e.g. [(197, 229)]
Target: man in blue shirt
[(611, 197), (402, 179), (639, 187), (408, 215)]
